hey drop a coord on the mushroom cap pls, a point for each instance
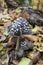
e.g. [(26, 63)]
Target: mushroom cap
[(19, 27)]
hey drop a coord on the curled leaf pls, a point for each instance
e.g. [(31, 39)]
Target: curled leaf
[(25, 61)]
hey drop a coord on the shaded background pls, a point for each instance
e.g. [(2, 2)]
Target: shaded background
[(35, 4)]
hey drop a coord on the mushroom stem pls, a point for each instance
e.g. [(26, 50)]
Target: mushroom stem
[(17, 47)]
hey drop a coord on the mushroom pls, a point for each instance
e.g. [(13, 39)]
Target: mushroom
[(19, 27)]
